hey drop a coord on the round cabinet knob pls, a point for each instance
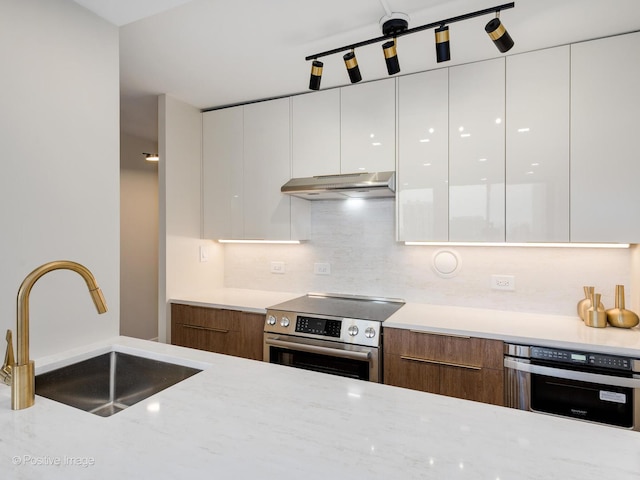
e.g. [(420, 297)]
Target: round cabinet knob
[(353, 330), (284, 321), (370, 332), (271, 320)]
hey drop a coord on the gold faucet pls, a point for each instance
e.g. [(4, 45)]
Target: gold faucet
[(20, 374)]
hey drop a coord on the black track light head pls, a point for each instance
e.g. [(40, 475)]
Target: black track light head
[(501, 38), (443, 50), (316, 75), (352, 67), (391, 57)]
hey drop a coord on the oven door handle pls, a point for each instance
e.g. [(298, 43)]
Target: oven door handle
[(333, 352), (525, 366)]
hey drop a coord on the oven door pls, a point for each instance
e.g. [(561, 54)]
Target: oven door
[(594, 397), (353, 361)]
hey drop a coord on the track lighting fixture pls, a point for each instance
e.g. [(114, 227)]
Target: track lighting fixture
[(443, 51), (496, 31), (316, 75), (352, 67), (395, 25), (391, 57)]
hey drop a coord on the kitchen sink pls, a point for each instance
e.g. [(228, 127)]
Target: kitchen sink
[(107, 384)]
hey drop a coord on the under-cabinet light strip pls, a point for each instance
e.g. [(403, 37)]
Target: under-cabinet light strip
[(504, 244), (281, 242)]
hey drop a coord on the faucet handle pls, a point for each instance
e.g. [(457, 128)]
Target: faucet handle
[(9, 360)]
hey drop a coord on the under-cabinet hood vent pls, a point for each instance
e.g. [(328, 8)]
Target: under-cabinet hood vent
[(341, 187)]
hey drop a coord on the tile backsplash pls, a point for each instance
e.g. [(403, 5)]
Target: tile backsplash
[(357, 239)]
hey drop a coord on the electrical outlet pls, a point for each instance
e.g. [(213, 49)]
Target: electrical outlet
[(322, 268), (503, 282), (277, 267), (204, 253)]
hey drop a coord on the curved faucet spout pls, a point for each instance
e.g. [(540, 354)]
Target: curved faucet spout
[(23, 390)]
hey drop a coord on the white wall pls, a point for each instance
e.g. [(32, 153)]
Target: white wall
[(60, 160), (180, 148), (357, 239), (138, 238)]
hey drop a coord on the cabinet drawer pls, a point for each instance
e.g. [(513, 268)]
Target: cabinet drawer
[(210, 318), (459, 350), (479, 384), (230, 332)]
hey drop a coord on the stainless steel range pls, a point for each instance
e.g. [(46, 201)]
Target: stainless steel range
[(330, 333)]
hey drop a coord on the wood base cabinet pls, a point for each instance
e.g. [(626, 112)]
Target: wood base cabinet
[(230, 332), (462, 367)]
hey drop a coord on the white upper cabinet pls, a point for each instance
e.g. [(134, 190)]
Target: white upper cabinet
[(537, 146), (423, 156), (368, 124), (605, 157), (477, 152), (246, 159), (222, 165), (266, 168), (315, 130)]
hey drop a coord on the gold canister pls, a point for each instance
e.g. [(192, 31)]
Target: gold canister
[(596, 315), (619, 316)]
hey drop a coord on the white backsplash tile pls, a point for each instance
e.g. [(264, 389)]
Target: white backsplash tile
[(358, 240)]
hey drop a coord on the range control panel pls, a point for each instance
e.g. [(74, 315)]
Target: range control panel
[(319, 326), (597, 360), (345, 330)]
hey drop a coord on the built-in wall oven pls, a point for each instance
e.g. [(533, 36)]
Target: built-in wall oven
[(587, 386), (329, 333)]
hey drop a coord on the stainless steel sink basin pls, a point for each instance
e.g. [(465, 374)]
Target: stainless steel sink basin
[(108, 383)]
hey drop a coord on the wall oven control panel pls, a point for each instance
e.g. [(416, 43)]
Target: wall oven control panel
[(595, 360)]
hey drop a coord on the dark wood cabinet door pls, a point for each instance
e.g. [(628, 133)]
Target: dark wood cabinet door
[(457, 366), (403, 372), (230, 332)]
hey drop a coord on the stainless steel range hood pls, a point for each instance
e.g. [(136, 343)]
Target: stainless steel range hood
[(340, 187)]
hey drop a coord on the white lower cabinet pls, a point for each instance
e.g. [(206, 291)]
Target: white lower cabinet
[(252, 150), (423, 157), (537, 148), (605, 158), (477, 152)]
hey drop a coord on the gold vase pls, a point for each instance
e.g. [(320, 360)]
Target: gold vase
[(596, 315), (619, 316), (585, 303)]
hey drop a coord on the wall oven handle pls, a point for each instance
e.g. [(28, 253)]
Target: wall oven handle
[(525, 366), (303, 347)]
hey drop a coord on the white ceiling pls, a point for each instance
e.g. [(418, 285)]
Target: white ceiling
[(121, 12), (211, 53)]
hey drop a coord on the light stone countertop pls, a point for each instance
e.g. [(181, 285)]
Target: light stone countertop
[(244, 419), (516, 327), (525, 328), (253, 301)]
